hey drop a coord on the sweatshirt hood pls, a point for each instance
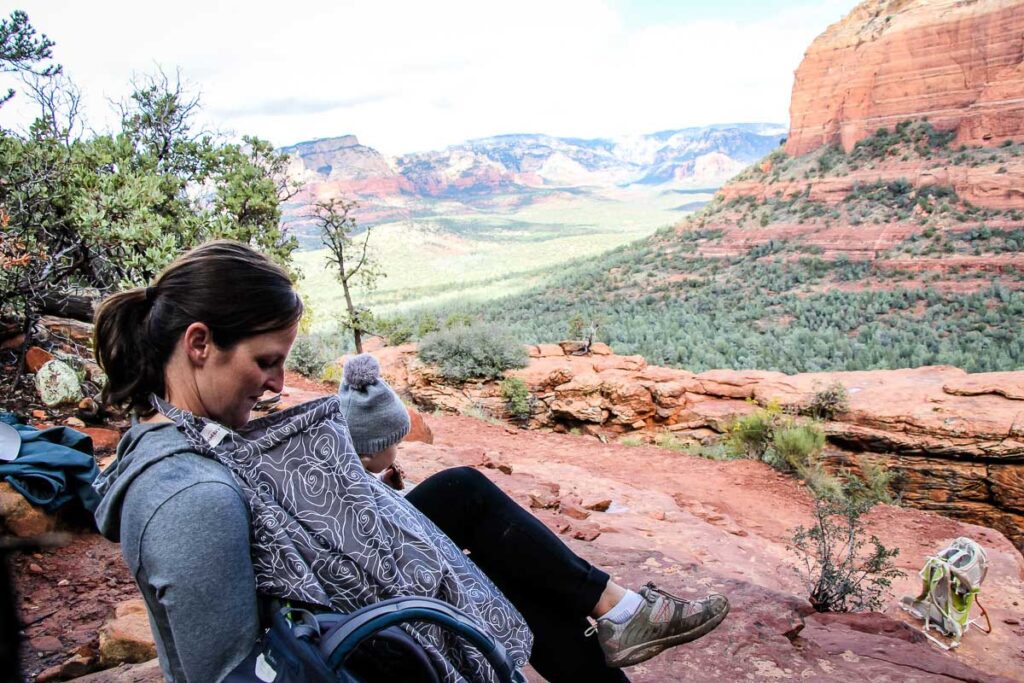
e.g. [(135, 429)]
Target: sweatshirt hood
[(162, 440)]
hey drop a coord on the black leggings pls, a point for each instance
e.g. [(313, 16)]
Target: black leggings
[(551, 586)]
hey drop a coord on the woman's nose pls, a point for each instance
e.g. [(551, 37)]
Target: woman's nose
[(275, 382)]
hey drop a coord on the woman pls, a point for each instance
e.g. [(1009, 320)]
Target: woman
[(197, 349)]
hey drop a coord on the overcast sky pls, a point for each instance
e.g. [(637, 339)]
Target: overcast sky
[(408, 75)]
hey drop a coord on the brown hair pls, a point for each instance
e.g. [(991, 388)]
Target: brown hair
[(236, 291)]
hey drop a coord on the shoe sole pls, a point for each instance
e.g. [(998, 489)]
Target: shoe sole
[(643, 652)]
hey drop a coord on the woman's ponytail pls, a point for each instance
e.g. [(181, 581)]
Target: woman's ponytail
[(125, 353)]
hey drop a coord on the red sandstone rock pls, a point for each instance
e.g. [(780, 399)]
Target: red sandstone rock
[(572, 508), (957, 63), (148, 672), (127, 638), (420, 431), (102, 439), (46, 644), (36, 358), (21, 518)]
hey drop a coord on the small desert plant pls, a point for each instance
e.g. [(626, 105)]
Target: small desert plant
[(668, 441), (795, 447), (575, 327), (477, 411), (396, 330), (877, 481), (631, 441), (839, 573), (751, 435), (517, 397), (308, 356), (829, 402), (477, 351), (332, 373)]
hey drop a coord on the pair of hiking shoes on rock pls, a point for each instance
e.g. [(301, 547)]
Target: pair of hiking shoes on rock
[(662, 621)]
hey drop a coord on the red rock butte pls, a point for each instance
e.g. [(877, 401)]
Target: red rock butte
[(960, 64)]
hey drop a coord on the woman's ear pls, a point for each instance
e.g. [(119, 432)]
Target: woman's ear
[(198, 343)]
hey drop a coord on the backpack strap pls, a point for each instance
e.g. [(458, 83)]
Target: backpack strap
[(337, 644)]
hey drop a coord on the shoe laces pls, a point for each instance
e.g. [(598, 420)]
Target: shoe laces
[(653, 588)]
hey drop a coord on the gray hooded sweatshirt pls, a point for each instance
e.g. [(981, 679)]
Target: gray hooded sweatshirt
[(184, 532)]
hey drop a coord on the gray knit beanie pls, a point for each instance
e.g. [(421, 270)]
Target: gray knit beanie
[(376, 416)]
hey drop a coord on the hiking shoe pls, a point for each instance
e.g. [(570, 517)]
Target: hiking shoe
[(662, 621)]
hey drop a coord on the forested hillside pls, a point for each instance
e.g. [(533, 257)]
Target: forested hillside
[(850, 266)]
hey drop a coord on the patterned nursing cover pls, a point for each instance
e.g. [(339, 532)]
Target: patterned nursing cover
[(328, 533)]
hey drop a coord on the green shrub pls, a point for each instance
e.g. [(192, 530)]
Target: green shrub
[(458, 320), (829, 402), (517, 397), (332, 373), (875, 484), (796, 447), (309, 355), (631, 441), (474, 352), (838, 574), (751, 435), (668, 441), (575, 326), (396, 330), (428, 323)]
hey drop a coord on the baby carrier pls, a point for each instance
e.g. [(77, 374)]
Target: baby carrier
[(368, 565), (951, 583)]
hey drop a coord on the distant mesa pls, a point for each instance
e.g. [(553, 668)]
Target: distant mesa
[(960, 64), (692, 157)]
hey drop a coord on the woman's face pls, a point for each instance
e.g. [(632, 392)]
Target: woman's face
[(232, 380)]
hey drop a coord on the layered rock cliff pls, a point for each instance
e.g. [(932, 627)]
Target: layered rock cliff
[(960, 64)]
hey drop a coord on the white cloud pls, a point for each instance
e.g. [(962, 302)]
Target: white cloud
[(406, 75)]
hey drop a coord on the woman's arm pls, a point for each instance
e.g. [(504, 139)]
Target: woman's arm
[(195, 561)]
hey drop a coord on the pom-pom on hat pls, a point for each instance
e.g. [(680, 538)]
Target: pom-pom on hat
[(376, 416)]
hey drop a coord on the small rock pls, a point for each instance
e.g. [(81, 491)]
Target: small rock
[(127, 638), (88, 409), (543, 500), (46, 644), (77, 665), (658, 515), (35, 358), (74, 423), (639, 424), (598, 505), (419, 430), (58, 384), (48, 675), (571, 508), (505, 468), (39, 414), (1011, 621), (12, 342), (102, 439), (586, 532), (35, 569), (63, 582), (21, 518)]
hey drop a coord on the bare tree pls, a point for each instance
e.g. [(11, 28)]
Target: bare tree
[(348, 250)]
